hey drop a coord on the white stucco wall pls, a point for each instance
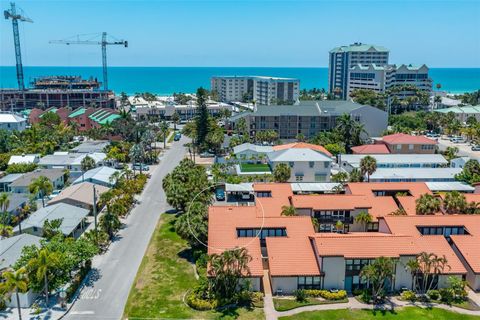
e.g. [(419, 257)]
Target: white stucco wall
[(403, 277), (334, 268), (303, 167), (286, 284), (26, 299)]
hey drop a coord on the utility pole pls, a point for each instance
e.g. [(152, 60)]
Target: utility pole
[(95, 210), (12, 14)]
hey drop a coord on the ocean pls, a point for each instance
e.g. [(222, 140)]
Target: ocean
[(166, 80)]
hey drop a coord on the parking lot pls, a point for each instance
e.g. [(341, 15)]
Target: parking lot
[(464, 149)]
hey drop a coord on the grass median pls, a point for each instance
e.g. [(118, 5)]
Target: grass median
[(165, 275)]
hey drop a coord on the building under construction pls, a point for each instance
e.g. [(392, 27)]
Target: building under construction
[(57, 91)]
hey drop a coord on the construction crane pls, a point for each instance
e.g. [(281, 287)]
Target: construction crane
[(104, 42), (12, 14)]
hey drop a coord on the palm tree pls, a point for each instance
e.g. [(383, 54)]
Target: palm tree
[(377, 274), (175, 119), (428, 265), (6, 231), (364, 218), (413, 266), (110, 223), (427, 204), (454, 202), (164, 130), (339, 226), (4, 201), (15, 281), (355, 176), (289, 211), (137, 154), (368, 165), (41, 186), (281, 172), (43, 263), (86, 164)]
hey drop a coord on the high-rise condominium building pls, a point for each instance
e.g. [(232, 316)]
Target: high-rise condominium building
[(381, 78), (263, 90), (345, 57)]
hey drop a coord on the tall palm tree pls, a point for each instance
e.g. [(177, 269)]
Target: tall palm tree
[(368, 165), (86, 164), (364, 218), (427, 204), (44, 262), (137, 154), (41, 186), (15, 282), (4, 201), (175, 119), (164, 130)]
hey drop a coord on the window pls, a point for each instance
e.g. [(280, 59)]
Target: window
[(309, 283), (261, 233), (399, 147), (311, 164), (264, 194), (291, 164), (410, 147), (299, 178)]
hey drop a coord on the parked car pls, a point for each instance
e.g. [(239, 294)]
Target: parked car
[(476, 148), (177, 136), (140, 167), (54, 194), (458, 140), (206, 155), (220, 194)]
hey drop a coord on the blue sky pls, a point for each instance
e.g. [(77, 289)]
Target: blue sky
[(246, 33)]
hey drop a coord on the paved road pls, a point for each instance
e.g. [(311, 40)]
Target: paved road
[(106, 296)]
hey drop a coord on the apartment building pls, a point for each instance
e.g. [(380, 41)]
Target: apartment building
[(341, 59), (289, 253), (401, 143), (348, 162), (262, 90), (311, 117), (381, 78)]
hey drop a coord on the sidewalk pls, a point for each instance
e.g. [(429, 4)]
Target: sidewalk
[(272, 314)]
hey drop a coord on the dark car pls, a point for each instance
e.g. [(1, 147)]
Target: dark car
[(220, 195), (177, 136)]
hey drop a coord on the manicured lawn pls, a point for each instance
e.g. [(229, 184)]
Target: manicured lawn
[(410, 313), (254, 167), (289, 304), (165, 276)]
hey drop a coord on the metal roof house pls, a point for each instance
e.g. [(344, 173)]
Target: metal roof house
[(12, 122), (11, 248), (24, 159), (415, 175), (350, 161), (102, 176), (73, 220)]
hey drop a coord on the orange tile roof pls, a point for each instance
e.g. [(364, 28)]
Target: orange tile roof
[(330, 201), (223, 222), (407, 225), (272, 207), (402, 138), (370, 149), (303, 145), (370, 246), (385, 205), (469, 247)]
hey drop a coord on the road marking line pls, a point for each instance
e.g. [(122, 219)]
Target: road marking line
[(82, 312)]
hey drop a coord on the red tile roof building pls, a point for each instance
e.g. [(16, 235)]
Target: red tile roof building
[(294, 255), (407, 144)]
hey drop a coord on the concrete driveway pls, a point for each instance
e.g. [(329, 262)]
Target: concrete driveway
[(106, 293)]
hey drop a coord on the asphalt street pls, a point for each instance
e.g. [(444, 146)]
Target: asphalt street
[(106, 293)]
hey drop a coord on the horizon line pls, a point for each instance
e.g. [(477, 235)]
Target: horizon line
[(266, 67)]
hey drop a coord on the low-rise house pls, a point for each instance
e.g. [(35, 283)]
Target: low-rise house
[(91, 146), (369, 149), (80, 195), (16, 201), (55, 176), (71, 161), (305, 164), (462, 113), (450, 186), (251, 151), (24, 159), (348, 162), (73, 220), (401, 143), (12, 122), (7, 180), (10, 251), (459, 162), (104, 176), (415, 175)]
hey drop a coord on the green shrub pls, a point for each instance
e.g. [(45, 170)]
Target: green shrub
[(409, 295), (3, 305), (433, 294), (200, 304), (257, 296), (300, 295), (366, 296), (358, 292), (325, 294), (447, 295), (21, 167)]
